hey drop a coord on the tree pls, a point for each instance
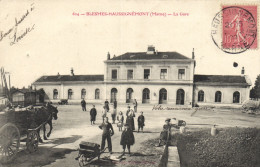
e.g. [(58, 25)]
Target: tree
[(255, 91)]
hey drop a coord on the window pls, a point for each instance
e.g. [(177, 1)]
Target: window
[(146, 95), (201, 95), (70, 94), (114, 74), (83, 93), (163, 74), (55, 94), (218, 96), (97, 93), (181, 74), (130, 74), (113, 95), (236, 97), (146, 73)]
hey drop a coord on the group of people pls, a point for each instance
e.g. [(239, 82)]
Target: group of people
[(127, 136)]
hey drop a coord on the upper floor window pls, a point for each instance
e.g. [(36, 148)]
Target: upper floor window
[(181, 74), (146, 73), (163, 74), (114, 74), (130, 74)]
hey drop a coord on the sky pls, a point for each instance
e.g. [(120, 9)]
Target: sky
[(56, 40)]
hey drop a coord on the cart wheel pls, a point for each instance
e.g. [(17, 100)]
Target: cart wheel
[(32, 141), (82, 160), (9, 142)]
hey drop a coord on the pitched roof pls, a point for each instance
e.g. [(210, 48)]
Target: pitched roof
[(145, 56), (221, 79), (64, 78)]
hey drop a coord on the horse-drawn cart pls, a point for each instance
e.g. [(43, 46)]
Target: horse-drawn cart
[(15, 127)]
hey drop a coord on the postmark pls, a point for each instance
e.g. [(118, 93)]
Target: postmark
[(234, 29)]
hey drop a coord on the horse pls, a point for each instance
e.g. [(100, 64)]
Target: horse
[(43, 116)]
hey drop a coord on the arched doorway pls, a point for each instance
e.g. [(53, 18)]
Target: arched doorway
[(55, 94), (180, 97), (70, 93), (113, 95), (236, 97), (129, 95), (146, 96), (163, 96)]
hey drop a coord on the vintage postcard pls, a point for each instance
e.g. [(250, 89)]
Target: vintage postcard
[(129, 83)]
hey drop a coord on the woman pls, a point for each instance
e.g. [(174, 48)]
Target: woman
[(127, 139), (120, 119), (130, 114)]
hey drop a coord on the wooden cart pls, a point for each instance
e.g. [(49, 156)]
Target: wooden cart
[(88, 152), (15, 127)]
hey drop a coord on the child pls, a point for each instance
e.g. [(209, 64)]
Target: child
[(127, 139), (140, 122), (120, 119)]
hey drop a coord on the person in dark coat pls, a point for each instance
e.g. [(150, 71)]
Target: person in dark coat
[(93, 114), (106, 135), (166, 132), (107, 105), (127, 139), (140, 122), (130, 114), (83, 105)]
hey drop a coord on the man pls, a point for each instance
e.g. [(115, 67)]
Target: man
[(115, 104), (93, 114), (127, 139), (83, 105), (107, 105), (141, 122), (165, 134), (106, 135)]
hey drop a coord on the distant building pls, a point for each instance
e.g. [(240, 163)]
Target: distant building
[(27, 96), (150, 77)]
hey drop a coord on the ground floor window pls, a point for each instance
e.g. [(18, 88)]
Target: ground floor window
[(83, 93), (180, 97), (162, 96), (236, 97), (55, 94), (70, 93), (113, 95), (129, 95), (97, 94), (201, 96), (218, 95), (146, 96)]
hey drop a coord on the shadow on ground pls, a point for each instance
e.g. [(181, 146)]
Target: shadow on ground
[(44, 155)]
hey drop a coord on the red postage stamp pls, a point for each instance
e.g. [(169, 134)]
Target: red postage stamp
[(239, 28)]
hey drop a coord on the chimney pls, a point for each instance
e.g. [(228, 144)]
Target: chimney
[(243, 71), (150, 49), (72, 72), (108, 56), (114, 56), (58, 74)]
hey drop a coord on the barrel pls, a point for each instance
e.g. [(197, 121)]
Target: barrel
[(182, 129)]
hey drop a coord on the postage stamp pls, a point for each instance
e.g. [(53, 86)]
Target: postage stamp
[(234, 29)]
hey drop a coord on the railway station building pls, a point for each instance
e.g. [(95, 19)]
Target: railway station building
[(150, 77)]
